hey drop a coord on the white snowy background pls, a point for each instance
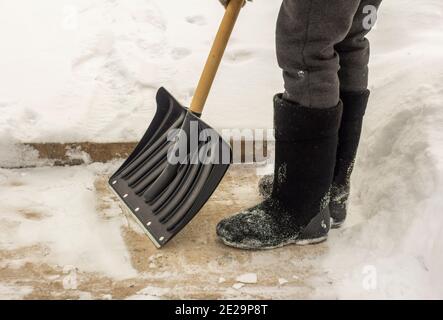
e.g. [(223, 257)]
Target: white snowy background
[(88, 70)]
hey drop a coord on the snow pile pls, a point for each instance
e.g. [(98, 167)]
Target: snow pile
[(14, 154), (393, 245), (396, 223), (89, 70)]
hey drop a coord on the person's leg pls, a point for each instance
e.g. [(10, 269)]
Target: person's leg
[(306, 50), (306, 119), (297, 211), (353, 74), (307, 32), (354, 50)]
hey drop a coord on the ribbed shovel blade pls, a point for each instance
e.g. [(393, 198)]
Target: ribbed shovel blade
[(163, 193)]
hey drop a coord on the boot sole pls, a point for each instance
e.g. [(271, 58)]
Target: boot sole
[(298, 242), (315, 232)]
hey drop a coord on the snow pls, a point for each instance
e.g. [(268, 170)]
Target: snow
[(78, 154), (56, 207), (13, 292), (247, 278), (13, 154), (396, 225), (90, 70), (149, 293), (238, 286)]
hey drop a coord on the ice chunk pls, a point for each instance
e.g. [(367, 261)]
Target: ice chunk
[(248, 278)]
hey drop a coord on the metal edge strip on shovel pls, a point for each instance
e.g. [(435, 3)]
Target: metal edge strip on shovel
[(165, 195)]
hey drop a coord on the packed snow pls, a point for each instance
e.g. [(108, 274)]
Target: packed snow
[(247, 278), (238, 286), (88, 71), (56, 207)]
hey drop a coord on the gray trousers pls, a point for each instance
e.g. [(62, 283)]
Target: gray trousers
[(322, 48)]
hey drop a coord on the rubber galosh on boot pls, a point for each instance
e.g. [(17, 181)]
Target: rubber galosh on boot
[(265, 226)]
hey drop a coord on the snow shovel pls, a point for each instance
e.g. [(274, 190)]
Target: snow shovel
[(180, 160)]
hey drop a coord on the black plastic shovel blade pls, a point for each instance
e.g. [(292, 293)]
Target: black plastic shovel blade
[(172, 172)]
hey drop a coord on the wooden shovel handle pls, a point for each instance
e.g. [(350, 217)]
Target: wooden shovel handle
[(215, 56)]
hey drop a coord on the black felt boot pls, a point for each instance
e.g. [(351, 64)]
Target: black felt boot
[(354, 108), (297, 211)]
